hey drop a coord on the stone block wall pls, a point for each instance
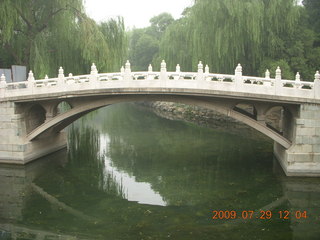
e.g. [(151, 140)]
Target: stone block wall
[(303, 158), (14, 148)]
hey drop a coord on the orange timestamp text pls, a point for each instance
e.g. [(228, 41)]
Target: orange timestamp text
[(261, 214)]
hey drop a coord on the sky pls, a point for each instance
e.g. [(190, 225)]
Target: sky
[(136, 13)]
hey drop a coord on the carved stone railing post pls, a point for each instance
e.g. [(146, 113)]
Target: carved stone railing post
[(177, 73), (3, 82), (3, 85), (93, 78), (207, 69), (267, 74), (94, 70), (200, 76), (298, 78), (317, 85), (150, 68), (163, 71), (60, 77), (178, 69), (151, 74), (31, 81), (238, 79), (127, 71), (278, 82), (206, 72)]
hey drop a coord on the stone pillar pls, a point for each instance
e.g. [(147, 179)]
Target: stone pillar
[(278, 82), (93, 78), (303, 157), (238, 80), (3, 85), (127, 71), (163, 71), (200, 75)]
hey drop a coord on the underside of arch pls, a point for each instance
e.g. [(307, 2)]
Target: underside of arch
[(63, 120)]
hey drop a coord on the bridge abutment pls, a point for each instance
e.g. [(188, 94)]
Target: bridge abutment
[(14, 147), (303, 157)]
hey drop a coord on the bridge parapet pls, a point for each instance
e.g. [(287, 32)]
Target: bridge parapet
[(201, 79)]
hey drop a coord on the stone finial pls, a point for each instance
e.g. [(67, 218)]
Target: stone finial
[(178, 69), (46, 77), (127, 67), (150, 68), (3, 78), (238, 70), (3, 82), (278, 73), (70, 75), (206, 69), (267, 74), (200, 67), (163, 66), (94, 70), (122, 69), (30, 76), (317, 76), (298, 77), (61, 72)]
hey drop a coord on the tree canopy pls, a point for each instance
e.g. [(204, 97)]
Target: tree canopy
[(144, 43), (44, 35), (259, 34)]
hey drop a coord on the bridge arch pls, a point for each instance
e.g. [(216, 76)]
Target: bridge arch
[(35, 116), (246, 108), (61, 107), (62, 120)]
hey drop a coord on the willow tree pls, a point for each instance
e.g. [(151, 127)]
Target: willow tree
[(175, 46), (116, 37), (45, 34), (225, 32)]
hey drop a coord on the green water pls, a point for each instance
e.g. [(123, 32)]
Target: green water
[(129, 174)]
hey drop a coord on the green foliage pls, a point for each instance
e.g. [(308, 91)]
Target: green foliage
[(313, 9), (272, 65), (175, 46), (116, 38), (44, 35), (144, 43), (223, 33), (159, 24)]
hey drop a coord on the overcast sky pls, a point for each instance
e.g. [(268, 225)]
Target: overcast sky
[(135, 12)]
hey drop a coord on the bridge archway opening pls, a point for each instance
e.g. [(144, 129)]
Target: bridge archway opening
[(62, 120), (281, 120), (247, 109), (61, 107), (274, 118), (35, 117)]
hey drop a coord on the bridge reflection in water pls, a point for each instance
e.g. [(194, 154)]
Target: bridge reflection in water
[(79, 195)]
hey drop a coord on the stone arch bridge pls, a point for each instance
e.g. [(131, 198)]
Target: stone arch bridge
[(30, 123)]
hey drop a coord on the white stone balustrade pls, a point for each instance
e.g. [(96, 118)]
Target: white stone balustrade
[(202, 80)]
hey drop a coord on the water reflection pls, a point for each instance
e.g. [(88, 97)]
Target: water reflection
[(117, 156), (140, 192)]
